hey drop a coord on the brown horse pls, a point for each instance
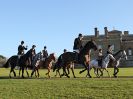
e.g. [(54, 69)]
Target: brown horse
[(44, 64), (83, 58)]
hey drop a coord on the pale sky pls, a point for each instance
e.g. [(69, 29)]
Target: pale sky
[(56, 23)]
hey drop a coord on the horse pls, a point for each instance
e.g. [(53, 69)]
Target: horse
[(105, 61), (36, 60), (83, 58), (47, 63), (22, 63), (118, 56), (57, 66)]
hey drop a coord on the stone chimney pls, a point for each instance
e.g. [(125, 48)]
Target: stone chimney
[(106, 31), (126, 32), (96, 32)]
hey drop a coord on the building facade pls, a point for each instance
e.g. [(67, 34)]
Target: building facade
[(118, 40)]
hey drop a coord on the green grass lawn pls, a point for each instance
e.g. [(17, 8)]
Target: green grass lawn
[(71, 88)]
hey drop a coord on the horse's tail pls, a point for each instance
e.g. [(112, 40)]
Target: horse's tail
[(6, 65)]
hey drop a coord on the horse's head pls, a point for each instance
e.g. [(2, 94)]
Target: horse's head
[(111, 57), (52, 56), (91, 45)]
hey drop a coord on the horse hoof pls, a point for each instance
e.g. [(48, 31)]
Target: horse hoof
[(49, 77), (68, 76), (23, 77), (80, 72), (74, 76)]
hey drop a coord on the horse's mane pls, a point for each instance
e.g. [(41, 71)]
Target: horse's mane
[(117, 53)]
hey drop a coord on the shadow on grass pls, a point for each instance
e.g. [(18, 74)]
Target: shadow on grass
[(7, 77)]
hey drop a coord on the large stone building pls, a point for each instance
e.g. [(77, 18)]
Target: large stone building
[(117, 39)]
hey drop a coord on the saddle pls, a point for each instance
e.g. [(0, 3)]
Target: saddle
[(76, 58)]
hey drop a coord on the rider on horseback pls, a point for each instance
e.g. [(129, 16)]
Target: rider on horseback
[(31, 53), (45, 53), (100, 56), (110, 51), (78, 45), (21, 49)]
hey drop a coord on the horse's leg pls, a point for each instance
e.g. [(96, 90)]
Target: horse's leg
[(95, 71), (86, 63), (10, 73), (22, 72), (68, 71), (59, 73), (14, 73), (32, 72), (48, 71), (27, 71), (83, 69), (89, 72), (38, 72), (101, 72), (72, 68), (116, 70), (64, 70), (107, 72)]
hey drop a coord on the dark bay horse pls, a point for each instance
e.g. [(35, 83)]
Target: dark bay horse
[(83, 58), (22, 63), (58, 65)]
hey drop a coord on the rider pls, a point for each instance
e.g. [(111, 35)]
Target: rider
[(110, 51), (78, 45), (100, 56), (31, 53), (45, 53), (21, 49)]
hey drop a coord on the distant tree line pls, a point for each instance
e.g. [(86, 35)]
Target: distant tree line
[(2, 60)]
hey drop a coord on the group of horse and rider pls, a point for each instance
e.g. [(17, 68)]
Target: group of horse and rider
[(31, 52), (80, 55)]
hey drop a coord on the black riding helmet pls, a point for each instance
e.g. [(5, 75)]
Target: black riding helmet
[(33, 46), (22, 42), (109, 46), (45, 47), (80, 35), (65, 50)]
